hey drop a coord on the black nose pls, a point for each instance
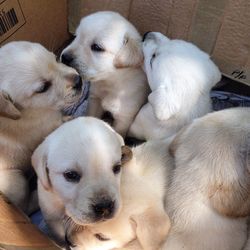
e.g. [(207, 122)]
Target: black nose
[(67, 58), (104, 209), (145, 35), (77, 82)]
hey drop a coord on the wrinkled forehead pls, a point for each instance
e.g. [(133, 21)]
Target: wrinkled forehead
[(110, 33)]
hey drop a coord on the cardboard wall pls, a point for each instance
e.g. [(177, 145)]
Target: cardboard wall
[(43, 21), (220, 27)]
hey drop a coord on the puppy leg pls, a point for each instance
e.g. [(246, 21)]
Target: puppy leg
[(94, 107), (122, 120), (14, 185), (152, 228)]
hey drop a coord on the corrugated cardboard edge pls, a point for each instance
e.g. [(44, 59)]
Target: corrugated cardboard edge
[(17, 232)]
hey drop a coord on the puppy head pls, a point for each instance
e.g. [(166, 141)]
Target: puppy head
[(176, 62), (105, 42), (81, 162), (33, 78), (217, 148)]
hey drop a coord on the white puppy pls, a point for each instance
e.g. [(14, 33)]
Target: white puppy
[(34, 88), (107, 51), (78, 167), (180, 76), (208, 199)]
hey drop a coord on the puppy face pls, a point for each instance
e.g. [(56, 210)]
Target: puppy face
[(154, 46), (217, 149), (33, 78), (80, 162), (105, 41)]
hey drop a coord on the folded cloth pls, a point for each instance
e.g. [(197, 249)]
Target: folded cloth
[(79, 108)]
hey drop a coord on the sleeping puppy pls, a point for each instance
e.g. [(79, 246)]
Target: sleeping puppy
[(81, 166), (33, 90), (107, 52), (209, 199), (180, 77)]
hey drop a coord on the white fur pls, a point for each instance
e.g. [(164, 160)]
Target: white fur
[(25, 66), (208, 199), (118, 84), (181, 77), (142, 223)]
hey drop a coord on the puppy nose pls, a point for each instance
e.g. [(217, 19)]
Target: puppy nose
[(77, 82), (104, 208), (66, 58), (145, 35)]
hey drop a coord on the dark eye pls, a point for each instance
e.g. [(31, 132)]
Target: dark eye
[(72, 176), (152, 58), (97, 48), (117, 169), (44, 87)]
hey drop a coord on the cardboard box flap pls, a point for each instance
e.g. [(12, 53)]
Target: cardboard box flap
[(16, 231)]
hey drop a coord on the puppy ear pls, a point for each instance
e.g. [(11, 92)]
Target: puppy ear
[(152, 228), (39, 163), (7, 108), (130, 54), (126, 154), (165, 102)]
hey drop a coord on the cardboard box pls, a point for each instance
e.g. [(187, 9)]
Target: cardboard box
[(42, 21), (16, 231), (219, 27)]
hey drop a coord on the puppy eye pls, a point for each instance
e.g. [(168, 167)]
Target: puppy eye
[(72, 176), (117, 169), (152, 58), (45, 86), (97, 48)]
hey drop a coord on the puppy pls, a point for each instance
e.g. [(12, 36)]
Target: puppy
[(180, 77), (37, 88), (107, 52), (79, 166), (208, 199)]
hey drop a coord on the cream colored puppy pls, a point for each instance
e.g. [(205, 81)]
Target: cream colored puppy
[(78, 167), (107, 52), (34, 88), (208, 199), (180, 76)]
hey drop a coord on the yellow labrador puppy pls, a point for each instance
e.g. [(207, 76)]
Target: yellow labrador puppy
[(107, 52), (209, 197), (38, 87), (81, 180)]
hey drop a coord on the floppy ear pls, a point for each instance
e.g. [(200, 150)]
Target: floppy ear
[(130, 54), (126, 154), (152, 228), (165, 102), (39, 163), (233, 198), (7, 108)]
